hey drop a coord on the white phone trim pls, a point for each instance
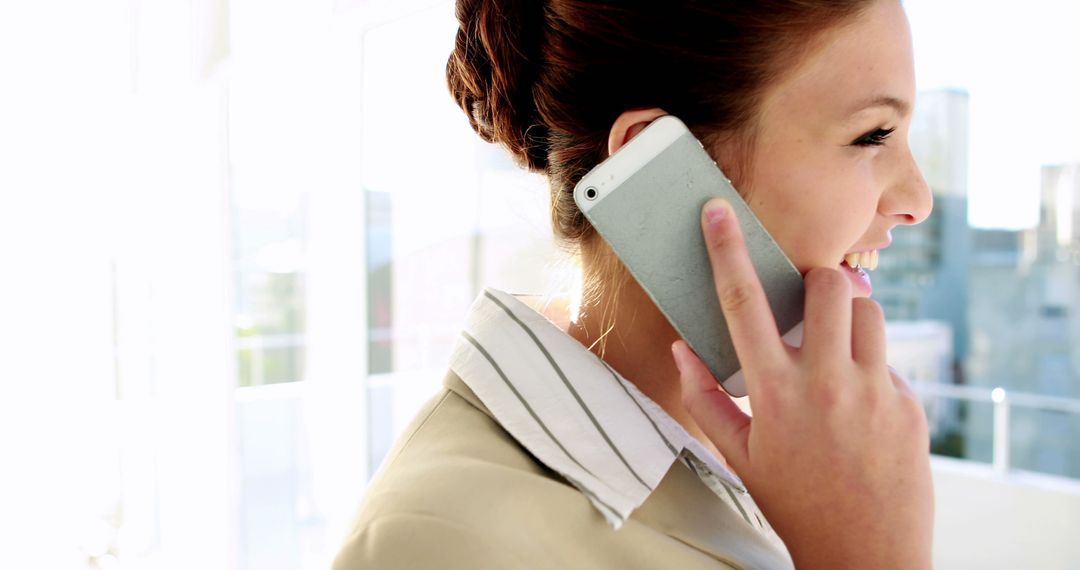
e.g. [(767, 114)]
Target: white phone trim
[(634, 155)]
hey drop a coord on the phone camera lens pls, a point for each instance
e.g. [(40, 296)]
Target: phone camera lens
[(590, 193)]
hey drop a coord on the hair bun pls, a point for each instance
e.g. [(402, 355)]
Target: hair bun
[(491, 72)]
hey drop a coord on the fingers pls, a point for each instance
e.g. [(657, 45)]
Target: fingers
[(722, 421), (746, 309), (827, 328), (868, 334)]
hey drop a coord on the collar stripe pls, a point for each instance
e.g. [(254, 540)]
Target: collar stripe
[(663, 437), (596, 500), (509, 355), (569, 387), (528, 408), (735, 500), (715, 482)]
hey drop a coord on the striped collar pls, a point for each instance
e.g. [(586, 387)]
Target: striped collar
[(577, 415)]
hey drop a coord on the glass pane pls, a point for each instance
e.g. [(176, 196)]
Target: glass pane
[(269, 327), (969, 432), (1045, 441), (447, 214), (380, 270)]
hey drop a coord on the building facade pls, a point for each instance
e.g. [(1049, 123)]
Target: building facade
[(1025, 322)]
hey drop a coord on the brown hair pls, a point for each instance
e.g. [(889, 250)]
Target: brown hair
[(547, 79)]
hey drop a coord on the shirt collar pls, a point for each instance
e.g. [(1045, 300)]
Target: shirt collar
[(571, 410)]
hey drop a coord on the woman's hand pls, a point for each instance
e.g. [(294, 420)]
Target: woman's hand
[(836, 454)]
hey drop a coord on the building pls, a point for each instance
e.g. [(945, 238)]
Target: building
[(1050, 442), (1025, 322)]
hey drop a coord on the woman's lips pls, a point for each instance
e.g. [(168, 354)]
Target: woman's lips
[(860, 280)]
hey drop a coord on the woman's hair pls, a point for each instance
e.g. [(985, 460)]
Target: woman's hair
[(547, 79)]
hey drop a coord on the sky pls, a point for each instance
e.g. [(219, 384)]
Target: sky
[(1020, 64)]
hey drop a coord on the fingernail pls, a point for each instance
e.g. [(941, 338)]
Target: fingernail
[(716, 210), (677, 356)]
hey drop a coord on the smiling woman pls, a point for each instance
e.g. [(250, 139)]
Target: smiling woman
[(832, 159), (547, 448)]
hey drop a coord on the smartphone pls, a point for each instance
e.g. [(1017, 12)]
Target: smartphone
[(645, 200)]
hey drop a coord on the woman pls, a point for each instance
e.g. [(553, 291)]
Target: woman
[(549, 449)]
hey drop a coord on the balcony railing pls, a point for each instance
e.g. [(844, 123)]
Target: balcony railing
[(1003, 402)]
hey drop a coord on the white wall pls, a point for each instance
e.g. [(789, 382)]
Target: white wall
[(986, 521)]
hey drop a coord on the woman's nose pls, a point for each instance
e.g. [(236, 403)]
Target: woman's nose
[(908, 200)]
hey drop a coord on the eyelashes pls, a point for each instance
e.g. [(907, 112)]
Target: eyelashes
[(875, 137)]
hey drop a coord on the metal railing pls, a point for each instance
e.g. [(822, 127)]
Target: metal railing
[(1003, 402)]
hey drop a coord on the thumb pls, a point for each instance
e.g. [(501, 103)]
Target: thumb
[(720, 418)]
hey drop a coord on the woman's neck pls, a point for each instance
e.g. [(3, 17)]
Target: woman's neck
[(637, 344)]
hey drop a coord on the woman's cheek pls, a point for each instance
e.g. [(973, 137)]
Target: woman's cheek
[(802, 253)]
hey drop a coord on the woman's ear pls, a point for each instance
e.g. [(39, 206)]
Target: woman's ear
[(629, 124)]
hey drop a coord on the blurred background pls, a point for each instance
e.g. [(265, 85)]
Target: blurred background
[(238, 238)]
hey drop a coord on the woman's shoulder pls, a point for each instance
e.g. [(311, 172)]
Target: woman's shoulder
[(451, 435), (454, 487), (458, 491)]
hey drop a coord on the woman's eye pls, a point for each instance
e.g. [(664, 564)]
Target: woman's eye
[(875, 137)]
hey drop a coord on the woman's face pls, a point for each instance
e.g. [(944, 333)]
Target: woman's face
[(831, 172)]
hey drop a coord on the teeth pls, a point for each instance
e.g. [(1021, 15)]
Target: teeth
[(864, 260)]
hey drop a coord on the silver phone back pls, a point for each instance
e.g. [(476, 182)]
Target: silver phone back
[(652, 222)]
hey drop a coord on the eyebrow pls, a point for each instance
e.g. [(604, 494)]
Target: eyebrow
[(899, 105)]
